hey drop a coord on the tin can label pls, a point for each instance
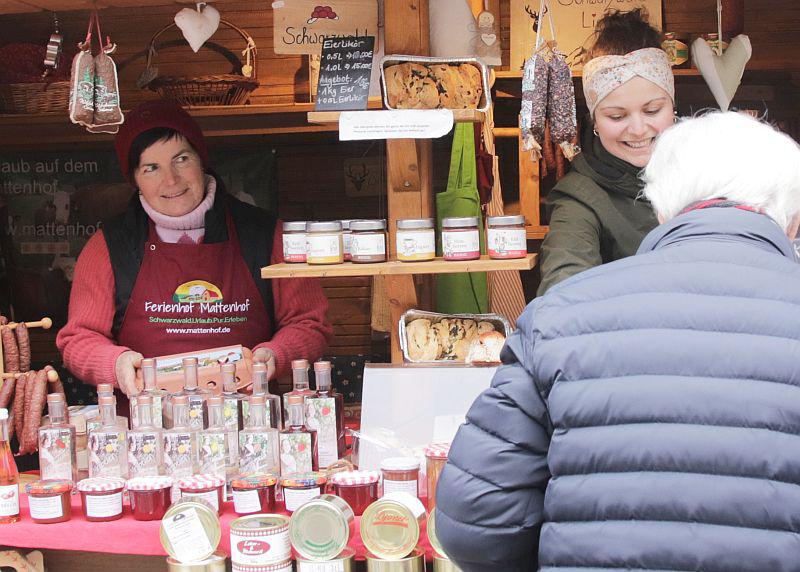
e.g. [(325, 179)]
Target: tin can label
[(187, 536), (261, 549)]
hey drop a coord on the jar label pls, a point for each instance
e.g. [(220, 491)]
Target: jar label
[(211, 497), (409, 487), (187, 537), (259, 551), (416, 244), (294, 247), (101, 506), (507, 243), (368, 244), (46, 508), (9, 500), (295, 498), (296, 453), (107, 454), (321, 415), (144, 454), (458, 245), (246, 502), (324, 248)]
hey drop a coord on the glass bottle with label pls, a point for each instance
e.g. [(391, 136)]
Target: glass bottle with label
[(103, 390), (158, 395), (198, 410), (9, 475), (272, 402), (298, 442), (145, 444), (108, 445), (258, 442), (180, 444), (299, 386), (232, 409), (57, 454), (213, 443), (325, 414)]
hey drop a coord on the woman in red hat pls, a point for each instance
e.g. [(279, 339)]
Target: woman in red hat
[(179, 270)]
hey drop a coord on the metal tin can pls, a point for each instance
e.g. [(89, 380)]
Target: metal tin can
[(190, 530), (277, 567), (260, 539), (432, 538), (320, 529), (344, 562), (215, 563), (390, 526), (442, 564), (414, 562)]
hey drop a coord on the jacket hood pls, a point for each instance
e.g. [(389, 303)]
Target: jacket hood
[(611, 173)]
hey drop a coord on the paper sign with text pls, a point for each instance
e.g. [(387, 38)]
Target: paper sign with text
[(300, 26), (395, 124), (344, 74)]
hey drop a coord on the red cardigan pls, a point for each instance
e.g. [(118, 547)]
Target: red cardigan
[(89, 351)]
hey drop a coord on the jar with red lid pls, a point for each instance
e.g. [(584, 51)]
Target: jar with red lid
[(49, 501), (101, 498), (150, 497), (435, 460), (461, 239), (358, 488), (210, 488), (301, 488), (400, 474), (254, 493)]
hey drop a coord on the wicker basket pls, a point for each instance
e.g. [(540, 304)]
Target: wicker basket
[(30, 98), (218, 89)]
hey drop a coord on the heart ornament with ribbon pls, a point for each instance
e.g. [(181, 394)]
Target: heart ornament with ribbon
[(723, 73), (198, 25)]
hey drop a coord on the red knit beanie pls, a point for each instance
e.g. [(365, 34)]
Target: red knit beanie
[(154, 114)]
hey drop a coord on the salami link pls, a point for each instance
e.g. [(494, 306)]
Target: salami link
[(534, 103), (10, 350), (19, 404), (24, 345), (33, 412), (54, 382), (561, 115), (7, 392)]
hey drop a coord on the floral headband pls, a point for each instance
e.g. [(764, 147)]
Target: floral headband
[(604, 74)]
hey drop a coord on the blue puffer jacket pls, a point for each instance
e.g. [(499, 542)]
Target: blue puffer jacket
[(646, 417)]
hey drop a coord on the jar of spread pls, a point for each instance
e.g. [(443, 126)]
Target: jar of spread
[(254, 493), (301, 488), (400, 474), (210, 488), (461, 239), (677, 50), (505, 237), (294, 242), (435, 459), (150, 497), (325, 243), (390, 527), (368, 243), (49, 501), (101, 498), (260, 539), (358, 488), (346, 238), (416, 240), (345, 561), (320, 529), (190, 530)]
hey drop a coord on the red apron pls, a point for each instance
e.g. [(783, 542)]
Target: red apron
[(190, 297)]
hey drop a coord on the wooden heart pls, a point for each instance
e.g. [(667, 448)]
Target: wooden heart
[(489, 39), (197, 27), (723, 74)]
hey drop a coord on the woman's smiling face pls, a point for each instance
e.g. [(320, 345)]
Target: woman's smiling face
[(629, 118)]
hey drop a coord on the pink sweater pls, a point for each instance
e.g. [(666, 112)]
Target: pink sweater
[(89, 351)]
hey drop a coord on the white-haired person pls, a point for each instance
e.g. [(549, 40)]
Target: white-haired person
[(647, 412), (595, 213)]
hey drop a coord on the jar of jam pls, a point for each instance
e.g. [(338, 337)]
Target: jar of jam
[(346, 238), (325, 242), (505, 237), (400, 474), (461, 239), (677, 50), (294, 242), (416, 240), (435, 459), (358, 488), (150, 497), (49, 501), (301, 488), (210, 488), (368, 243), (254, 493), (101, 498)]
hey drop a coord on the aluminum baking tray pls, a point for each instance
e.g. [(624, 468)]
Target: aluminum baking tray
[(391, 59), (500, 323)]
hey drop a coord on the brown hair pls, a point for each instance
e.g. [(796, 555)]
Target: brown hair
[(618, 33)]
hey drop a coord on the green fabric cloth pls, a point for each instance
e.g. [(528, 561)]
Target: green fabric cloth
[(466, 292), (595, 215)]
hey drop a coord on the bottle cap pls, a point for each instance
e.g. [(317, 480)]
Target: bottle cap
[(322, 366), (300, 364)]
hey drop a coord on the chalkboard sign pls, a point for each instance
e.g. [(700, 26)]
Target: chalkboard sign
[(344, 72)]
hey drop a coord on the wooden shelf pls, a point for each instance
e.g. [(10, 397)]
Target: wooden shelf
[(332, 117), (536, 232), (395, 268)]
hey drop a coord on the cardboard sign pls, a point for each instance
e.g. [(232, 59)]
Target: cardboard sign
[(301, 26), (574, 22), (344, 74)]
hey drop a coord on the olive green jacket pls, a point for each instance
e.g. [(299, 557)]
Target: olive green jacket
[(595, 215)]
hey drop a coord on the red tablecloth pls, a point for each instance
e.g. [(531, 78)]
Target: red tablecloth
[(124, 536)]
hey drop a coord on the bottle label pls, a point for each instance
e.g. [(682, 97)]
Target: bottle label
[(256, 453), (506, 243), (178, 454), (213, 453), (101, 506), (45, 508), (9, 500), (144, 454), (321, 416), (56, 453), (196, 406), (211, 497), (296, 453), (230, 413), (186, 535), (460, 245), (409, 487), (107, 457), (295, 498), (246, 502)]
